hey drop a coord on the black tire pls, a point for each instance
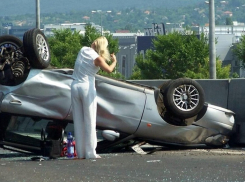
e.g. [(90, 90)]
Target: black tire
[(184, 98), (9, 40), (36, 48), (12, 72), (164, 86), (159, 97)]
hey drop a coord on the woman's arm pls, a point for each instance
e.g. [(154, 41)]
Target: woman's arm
[(104, 66)]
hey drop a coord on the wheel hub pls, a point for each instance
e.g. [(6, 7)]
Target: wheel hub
[(186, 97)]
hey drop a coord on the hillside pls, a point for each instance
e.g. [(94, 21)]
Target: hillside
[(13, 7), (125, 15)]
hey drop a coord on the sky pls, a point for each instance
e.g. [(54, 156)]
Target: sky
[(18, 7)]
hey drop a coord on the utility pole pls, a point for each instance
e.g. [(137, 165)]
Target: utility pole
[(38, 14), (100, 12), (212, 48), (101, 30)]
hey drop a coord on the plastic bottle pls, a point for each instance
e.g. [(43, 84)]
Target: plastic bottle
[(70, 146)]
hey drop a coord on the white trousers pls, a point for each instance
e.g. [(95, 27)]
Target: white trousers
[(84, 108)]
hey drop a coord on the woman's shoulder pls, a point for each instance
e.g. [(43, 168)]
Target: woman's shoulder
[(89, 52), (87, 49)]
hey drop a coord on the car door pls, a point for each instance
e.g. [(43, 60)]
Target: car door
[(120, 105), (44, 93)]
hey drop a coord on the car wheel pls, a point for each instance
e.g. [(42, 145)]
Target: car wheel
[(184, 98), (36, 48), (8, 41), (13, 65)]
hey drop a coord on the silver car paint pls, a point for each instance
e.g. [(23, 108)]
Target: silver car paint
[(215, 121), (43, 94), (122, 107)]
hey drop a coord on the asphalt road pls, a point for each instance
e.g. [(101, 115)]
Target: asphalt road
[(189, 165)]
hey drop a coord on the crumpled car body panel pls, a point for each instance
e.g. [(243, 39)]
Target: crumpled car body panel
[(122, 106)]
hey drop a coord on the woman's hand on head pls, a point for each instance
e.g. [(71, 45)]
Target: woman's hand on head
[(113, 57)]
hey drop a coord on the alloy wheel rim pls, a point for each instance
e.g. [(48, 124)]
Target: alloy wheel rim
[(42, 47), (186, 97)]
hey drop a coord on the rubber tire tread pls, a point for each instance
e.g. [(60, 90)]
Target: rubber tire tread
[(30, 49), (12, 39), (169, 103), (165, 85)]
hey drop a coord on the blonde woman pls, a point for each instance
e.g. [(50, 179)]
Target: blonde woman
[(83, 94)]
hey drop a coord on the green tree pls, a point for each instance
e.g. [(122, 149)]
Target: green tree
[(172, 56), (136, 75), (177, 56), (65, 45), (228, 21), (239, 50), (222, 72), (113, 44), (90, 35)]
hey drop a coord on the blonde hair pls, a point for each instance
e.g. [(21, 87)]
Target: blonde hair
[(100, 46)]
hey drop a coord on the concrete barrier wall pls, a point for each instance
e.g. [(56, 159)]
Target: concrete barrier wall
[(216, 92), (236, 101), (225, 93)]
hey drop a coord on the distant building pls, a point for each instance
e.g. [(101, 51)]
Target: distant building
[(127, 52), (228, 13), (17, 31), (122, 31), (79, 27), (227, 36), (49, 28), (86, 18), (156, 29)]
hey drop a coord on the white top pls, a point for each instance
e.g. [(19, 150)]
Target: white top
[(84, 65)]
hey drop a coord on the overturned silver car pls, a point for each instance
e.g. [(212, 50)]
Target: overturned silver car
[(174, 113)]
